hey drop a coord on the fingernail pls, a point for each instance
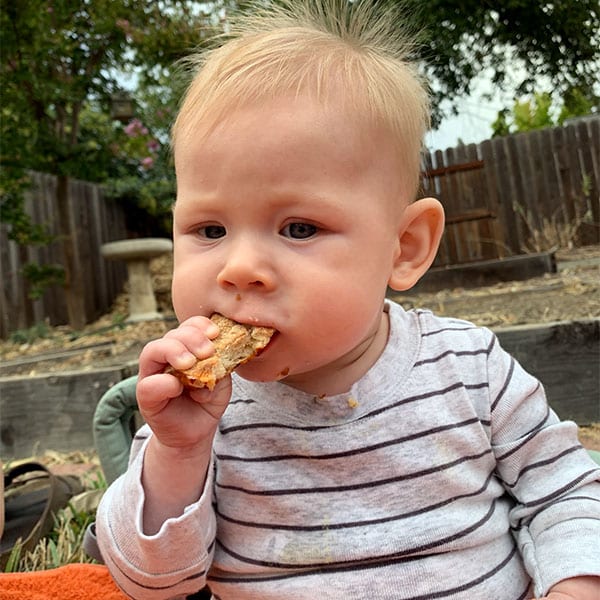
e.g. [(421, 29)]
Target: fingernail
[(184, 360), (212, 331)]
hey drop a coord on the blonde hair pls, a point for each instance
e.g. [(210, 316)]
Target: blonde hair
[(342, 51)]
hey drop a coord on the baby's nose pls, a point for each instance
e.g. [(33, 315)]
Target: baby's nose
[(247, 266)]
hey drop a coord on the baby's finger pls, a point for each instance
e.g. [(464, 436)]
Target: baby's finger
[(197, 334), (204, 324), (156, 355), (156, 391)]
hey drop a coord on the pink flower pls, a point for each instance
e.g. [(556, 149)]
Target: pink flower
[(153, 146), (135, 128), (147, 162)]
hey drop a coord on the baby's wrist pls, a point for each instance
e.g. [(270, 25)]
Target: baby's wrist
[(191, 453)]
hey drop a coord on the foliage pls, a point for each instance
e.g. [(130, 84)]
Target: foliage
[(62, 546), (64, 543), (13, 185), (27, 336), (63, 60), (61, 63), (538, 112), (142, 178), (531, 40)]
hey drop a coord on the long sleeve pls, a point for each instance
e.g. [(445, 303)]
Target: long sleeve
[(441, 473), (170, 564), (556, 518)]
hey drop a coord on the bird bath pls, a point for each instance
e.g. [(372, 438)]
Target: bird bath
[(137, 253)]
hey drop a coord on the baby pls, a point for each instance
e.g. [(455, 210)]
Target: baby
[(367, 452)]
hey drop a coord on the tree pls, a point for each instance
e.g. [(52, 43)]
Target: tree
[(61, 58), (532, 40), (538, 112)]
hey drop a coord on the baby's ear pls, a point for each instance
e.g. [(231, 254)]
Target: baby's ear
[(419, 234)]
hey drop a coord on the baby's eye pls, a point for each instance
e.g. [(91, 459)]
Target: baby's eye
[(299, 231), (211, 232)]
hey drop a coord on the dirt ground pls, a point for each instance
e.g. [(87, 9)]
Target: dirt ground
[(572, 293)]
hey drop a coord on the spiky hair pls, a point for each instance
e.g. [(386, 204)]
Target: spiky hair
[(354, 55)]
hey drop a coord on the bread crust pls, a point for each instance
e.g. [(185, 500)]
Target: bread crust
[(236, 344)]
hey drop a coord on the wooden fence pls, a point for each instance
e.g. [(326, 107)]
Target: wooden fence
[(96, 221), (517, 194), (503, 197)]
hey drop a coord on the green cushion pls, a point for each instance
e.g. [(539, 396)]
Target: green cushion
[(113, 429)]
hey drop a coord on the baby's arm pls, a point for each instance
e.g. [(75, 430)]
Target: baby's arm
[(155, 525), (577, 588), (552, 479), (183, 421)]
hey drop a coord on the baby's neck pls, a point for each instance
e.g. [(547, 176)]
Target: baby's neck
[(339, 377)]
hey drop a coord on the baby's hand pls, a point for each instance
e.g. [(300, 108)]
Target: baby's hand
[(576, 588), (180, 417)]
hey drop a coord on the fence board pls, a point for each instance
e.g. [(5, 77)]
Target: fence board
[(594, 130), (538, 185), (586, 159), (515, 182), (94, 221), (565, 180)]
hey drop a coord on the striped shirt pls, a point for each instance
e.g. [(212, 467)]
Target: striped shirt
[(442, 473)]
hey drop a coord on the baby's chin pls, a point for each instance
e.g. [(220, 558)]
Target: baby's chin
[(257, 372)]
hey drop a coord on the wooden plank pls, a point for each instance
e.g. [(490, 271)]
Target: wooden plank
[(489, 184), (487, 229), (101, 296), (461, 198), (565, 357), (471, 179), (507, 194), (472, 215), (551, 200), (475, 200), (561, 164), (466, 166), (426, 178), (455, 202), (54, 301), (594, 133), (594, 137), (52, 412), (526, 191), (4, 300), (115, 230), (45, 357), (17, 310), (451, 201), (575, 202), (86, 247), (589, 178), (448, 249)]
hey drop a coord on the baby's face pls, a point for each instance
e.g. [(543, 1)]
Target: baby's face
[(287, 217)]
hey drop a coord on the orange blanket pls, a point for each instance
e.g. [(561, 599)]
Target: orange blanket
[(71, 582)]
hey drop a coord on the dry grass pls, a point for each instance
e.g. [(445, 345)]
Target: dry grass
[(63, 546), (64, 543), (589, 436)]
